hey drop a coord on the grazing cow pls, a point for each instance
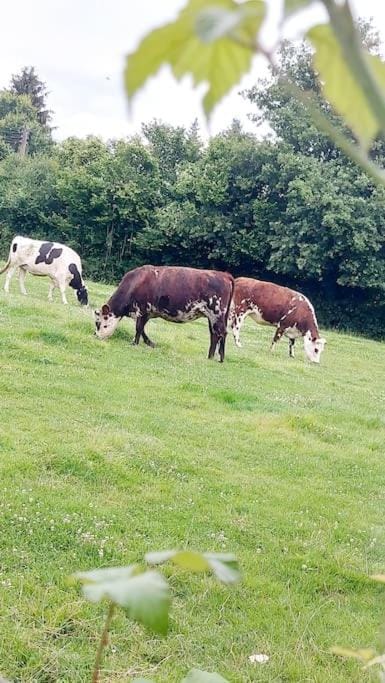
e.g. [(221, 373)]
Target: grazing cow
[(59, 262), (267, 303), (173, 293)]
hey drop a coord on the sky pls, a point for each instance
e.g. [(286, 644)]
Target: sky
[(78, 49)]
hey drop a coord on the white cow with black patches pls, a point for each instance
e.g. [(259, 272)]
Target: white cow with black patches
[(58, 262)]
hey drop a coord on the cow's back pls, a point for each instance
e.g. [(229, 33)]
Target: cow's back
[(271, 300), (170, 290)]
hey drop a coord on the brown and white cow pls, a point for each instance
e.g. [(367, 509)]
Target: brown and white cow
[(173, 293), (270, 304)]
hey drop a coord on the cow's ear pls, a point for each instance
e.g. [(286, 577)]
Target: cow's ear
[(105, 309)]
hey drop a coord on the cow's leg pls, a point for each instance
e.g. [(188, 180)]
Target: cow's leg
[(222, 344), (236, 324), (22, 274), (10, 274), (213, 341), (291, 347), (141, 322), (62, 287), (221, 331), (147, 340), (278, 334), (50, 291), (217, 337)]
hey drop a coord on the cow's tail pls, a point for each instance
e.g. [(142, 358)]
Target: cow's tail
[(232, 282), (6, 266)]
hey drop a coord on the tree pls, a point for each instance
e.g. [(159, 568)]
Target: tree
[(17, 114), (172, 147), (28, 83)]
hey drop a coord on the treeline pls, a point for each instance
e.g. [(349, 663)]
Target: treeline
[(288, 208)]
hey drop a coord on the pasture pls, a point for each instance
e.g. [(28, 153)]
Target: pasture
[(108, 451)]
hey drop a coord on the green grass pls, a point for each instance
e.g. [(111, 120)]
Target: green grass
[(108, 451)]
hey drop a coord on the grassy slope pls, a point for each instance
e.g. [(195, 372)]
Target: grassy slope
[(107, 451)]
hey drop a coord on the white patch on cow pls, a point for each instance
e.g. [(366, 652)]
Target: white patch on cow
[(257, 315), (105, 325), (292, 332), (193, 310), (291, 310), (313, 349), (311, 308)]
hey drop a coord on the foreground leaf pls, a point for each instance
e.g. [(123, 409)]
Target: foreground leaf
[(339, 85), (378, 577), (223, 565), (362, 654), (144, 596), (215, 44), (292, 6), (197, 676)]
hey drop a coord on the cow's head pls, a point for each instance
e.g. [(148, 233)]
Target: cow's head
[(313, 347), (105, 322), (82, 295)]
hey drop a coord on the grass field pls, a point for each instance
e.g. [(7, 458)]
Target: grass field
[(108, 451)]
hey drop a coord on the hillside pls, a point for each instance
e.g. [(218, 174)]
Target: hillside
[(108, 451)]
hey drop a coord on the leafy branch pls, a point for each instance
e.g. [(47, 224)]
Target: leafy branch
[(216, 40), (145, 595)]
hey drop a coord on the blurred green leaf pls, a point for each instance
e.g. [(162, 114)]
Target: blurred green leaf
[(292, 6), (339, 85), (223, 565), (362, 654), (378, 577), (107, 574), (145, 596), (143, 680), (197, 676), (214, 44)]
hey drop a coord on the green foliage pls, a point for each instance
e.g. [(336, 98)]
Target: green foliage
[(197, 676), (16, 113), (145, 596), (224, 566), (210, 43), (292, 6), (350, 101), (194, 676), (28, 83), (216, 43)]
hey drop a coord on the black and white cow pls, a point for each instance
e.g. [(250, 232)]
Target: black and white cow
[(60, 263)]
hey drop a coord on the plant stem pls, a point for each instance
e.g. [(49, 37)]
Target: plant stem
[(102, 643)]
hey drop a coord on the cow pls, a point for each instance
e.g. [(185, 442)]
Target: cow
[(60, 263), (270, 304), (174, 293)]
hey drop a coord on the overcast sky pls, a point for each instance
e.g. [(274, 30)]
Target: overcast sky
[(78, 48)]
